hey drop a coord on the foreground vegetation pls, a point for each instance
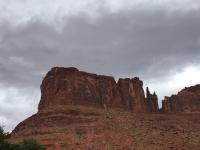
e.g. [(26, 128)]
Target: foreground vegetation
[(29, 144)]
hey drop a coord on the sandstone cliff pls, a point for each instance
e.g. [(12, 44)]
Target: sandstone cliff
[(69, 86), (132, 95), (187, 100), (80, 110), (152, 101)]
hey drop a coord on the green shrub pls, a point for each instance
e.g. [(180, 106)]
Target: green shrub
[(80, 132), (29, 144), (3, 135)]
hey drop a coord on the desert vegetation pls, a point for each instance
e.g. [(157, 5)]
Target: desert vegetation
[(28, 144)]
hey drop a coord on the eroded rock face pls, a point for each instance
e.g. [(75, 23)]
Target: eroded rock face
[(90, 128), (65, 86), (152, 101), (69, 86), (72, 101), (132, 94), (70, 114), (187, 100)]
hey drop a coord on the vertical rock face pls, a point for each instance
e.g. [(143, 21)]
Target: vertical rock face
[(69, 86), (64, 120), (152, 101), (132, 94), (65, 86), (166, 104), (187, 100)]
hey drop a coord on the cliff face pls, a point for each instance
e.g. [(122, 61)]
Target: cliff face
[(75, 112), (187, 100), (132, 94), (74, 102), (69, 86), (152, 101)]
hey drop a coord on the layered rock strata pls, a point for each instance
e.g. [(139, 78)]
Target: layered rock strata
[(69, 86), (80, 110), (187, 100)]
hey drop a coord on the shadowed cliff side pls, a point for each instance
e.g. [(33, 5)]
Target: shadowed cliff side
[(152, 101)]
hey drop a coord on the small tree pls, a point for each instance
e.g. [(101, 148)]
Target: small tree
[(4, 145), (29, 144), (1, 134)]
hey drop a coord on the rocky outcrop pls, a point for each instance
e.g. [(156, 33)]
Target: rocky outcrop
[(187, 100), (152, 101), (73, 127), (75, 113), (132, 94), (89, 128), (76, 103), (69, 86)]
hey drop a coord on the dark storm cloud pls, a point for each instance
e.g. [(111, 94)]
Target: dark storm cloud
[(145, 43)]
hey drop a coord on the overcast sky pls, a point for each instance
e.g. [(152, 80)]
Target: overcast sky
[(157, 40)]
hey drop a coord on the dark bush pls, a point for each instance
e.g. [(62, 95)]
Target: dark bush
[(29, 144)]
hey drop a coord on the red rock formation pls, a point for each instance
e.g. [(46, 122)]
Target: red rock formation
[(152, 101), (132, 94), (72, 100), (69, 86), (70, 114), (187, 100), (90, 128)]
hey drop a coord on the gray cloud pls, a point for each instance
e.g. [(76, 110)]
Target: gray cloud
[(151, 43), (16, 105)]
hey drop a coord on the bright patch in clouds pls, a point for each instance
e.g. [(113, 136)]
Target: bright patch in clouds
[(189, 76), (16, 105)]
